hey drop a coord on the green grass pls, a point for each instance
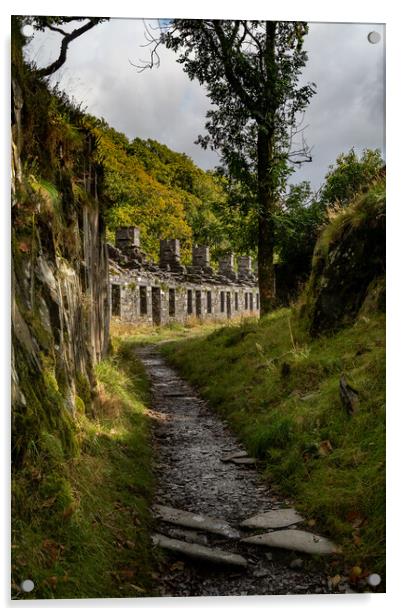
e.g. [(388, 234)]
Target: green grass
[(150, 334), (279, 389), (81, 524)]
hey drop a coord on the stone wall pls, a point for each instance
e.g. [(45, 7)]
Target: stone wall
[(143, 292)]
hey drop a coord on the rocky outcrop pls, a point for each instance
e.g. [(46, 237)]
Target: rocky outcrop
[(349, 259), (60, 304)]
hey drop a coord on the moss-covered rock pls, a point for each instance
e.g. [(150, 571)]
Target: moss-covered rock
[(348, 257)]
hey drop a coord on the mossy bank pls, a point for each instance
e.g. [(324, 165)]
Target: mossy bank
[(81, 519)]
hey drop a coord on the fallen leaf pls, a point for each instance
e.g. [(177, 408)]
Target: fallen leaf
[(325, 448), (126, 574), (130, 545), (52, 581), (357, 539), (23, 246), (68, 511), (357, 522), (311, 522), (36, 474), (177, 566), (52, 550)]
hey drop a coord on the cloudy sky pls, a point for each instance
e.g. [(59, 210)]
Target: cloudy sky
[(163, 104)]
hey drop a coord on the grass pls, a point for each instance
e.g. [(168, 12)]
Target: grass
[(279, 390), (81, 524), (150, 334)]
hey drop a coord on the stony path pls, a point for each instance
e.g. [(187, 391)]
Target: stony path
[(189, 442)]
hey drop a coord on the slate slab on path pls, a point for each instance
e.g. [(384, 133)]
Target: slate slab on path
[(240, 453), (298, 540), (277, 518), (245, 461), (199, 552), (196, 520)]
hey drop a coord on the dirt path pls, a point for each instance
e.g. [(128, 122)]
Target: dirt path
[(190, 440)]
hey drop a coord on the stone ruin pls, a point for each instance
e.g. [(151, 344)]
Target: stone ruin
[(144, 292)]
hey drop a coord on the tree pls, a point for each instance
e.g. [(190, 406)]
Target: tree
[(56, 24), (297, 226), (251, 71), (350, 176)]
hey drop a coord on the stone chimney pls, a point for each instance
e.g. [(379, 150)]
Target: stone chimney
[(170, 254), (226, 265), (244, 266), (127, 238), (200, 256)]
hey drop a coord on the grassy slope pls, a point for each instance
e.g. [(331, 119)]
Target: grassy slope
[(280, 392), (81, 526)]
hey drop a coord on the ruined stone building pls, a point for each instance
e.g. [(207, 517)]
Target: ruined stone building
[(143, 292)]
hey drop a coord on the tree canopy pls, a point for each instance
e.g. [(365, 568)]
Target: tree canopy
[(160, 191), (351, 174)]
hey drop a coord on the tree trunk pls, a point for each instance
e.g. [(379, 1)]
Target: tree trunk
[(266, 205)]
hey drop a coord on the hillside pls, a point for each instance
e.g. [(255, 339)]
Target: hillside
[(160, 191)]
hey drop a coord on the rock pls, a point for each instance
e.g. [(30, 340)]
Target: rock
[(297, 563), (199, 552), (298, 540), (348, 260), (234, 454), (194, 520), (309, 396), (245, 461), (260, 573), (188, 535), (349, 396), (277, 518)]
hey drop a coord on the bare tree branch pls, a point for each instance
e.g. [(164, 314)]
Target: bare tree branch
[(68, 37)]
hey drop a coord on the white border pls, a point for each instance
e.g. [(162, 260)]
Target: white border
[(387, 12)]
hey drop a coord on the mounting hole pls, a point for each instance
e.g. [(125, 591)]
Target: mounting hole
[(374, 37), (27, 585), (27, 30), (374, 579)]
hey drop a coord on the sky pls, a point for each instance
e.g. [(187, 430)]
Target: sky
[(347, 111)]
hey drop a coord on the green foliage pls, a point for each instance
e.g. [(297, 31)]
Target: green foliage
[(284, 421), (160, 191), (297, 224), (350, 176)]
